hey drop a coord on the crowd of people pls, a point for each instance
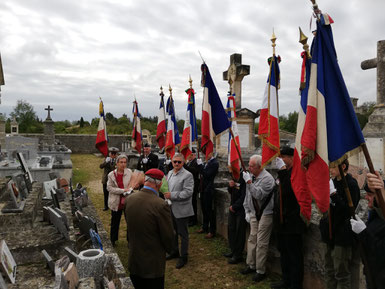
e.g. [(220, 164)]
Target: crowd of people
[(160, 206)]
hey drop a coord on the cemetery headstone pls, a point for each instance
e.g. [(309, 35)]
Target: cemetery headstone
[(48, 185), (58, 222), (64, 217), (60, 281), (61, 194), (49, 261), (85, 224), (55, 200), (71, 254), (17, 203), (7, 262), (26, 171)]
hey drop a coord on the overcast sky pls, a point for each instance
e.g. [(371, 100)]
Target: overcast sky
[(67, 53)]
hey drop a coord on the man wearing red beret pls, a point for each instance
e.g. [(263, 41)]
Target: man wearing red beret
[(150, 233)]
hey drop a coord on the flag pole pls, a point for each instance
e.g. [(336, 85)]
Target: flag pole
[(196, 130), (378, 193)]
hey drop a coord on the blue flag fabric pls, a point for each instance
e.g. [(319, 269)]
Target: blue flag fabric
[(170, 109)]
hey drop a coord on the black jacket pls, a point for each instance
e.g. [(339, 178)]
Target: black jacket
[(209, 171), (237, 196), (152, 162), (342, 234), (373, 241), (108, 167), (292, 221), (194, 169)]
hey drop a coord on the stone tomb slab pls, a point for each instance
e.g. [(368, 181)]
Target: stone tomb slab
[(49, 261), (58, 222), (64, 217), (16, 204)]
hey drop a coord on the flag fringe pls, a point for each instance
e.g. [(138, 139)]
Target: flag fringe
[(346, 156)]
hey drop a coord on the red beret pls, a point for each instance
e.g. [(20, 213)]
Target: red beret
[(155, 174)]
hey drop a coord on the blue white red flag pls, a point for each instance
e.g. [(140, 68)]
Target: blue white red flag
[(101, 137), (172, 136), (330, 131), (214, 117), (137, 130), (161, 128), (268, 130), (190, 133), (233, 156)]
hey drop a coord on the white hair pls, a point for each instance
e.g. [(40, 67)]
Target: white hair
[(179, 155), (152, 180), (257, 159)]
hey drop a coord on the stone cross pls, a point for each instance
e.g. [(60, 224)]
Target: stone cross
[(379, 63), (49, 111), (234, 75)]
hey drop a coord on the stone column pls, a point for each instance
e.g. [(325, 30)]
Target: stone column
[(49, 129)]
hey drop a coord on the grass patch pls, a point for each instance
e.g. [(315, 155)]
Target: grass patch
[(206, 267)]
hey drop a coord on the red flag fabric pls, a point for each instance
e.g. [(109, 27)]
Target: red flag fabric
[(101, 137), (233, 156), (268, 130), (161, 128), (137, 130)]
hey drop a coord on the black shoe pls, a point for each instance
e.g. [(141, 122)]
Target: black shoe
[(247, 270), (172, 256), (228, 255), (279, 285), (235, 260), (259, 277), (105, 209), (181, 262)]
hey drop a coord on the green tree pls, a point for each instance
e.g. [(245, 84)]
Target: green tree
[(365, 110), (289, 123), (26, 117), (81, 122)]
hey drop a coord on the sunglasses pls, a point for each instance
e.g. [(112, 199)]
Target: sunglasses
[(177, 162)]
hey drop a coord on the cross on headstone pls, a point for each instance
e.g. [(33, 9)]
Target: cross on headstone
[(379, 63), (49, 111), (234, 75)]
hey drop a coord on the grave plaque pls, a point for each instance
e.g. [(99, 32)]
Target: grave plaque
[(58, 222), (16, 204), (26, 171), (48, 186), (7, 263), (55, 199), (49, 261)]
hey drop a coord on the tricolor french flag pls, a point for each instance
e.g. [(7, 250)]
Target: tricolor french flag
[(101, 137), (214, 117), (328, 128), (172, 136), (161, 128), (268, 130), (233, 156), (137, 130), (190, 125)]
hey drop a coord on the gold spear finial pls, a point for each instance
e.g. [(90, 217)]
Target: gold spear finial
[(315, 8), (161, 90), (190, 80), (170, 89), (303, 40), (273, 39)]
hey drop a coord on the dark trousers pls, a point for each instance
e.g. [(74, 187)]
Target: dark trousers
[(208, 211), (236, 234), (147, 283), (115, 223), (105, 192), (194, 219), (181, 229), (291, 248)]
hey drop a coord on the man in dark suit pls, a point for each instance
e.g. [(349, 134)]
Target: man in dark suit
[(150, 233), (148, 160), (209, 171), (108, 165), (194, 165)]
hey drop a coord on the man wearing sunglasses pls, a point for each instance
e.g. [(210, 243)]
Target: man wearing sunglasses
[(181, 187)]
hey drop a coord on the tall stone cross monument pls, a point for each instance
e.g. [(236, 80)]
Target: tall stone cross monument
[(374, 130), (234, 75), (49, 128)]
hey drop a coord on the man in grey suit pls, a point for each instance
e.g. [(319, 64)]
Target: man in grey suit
[(181, 187)]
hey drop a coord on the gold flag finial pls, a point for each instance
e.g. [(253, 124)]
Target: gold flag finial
[(190, 80), (161, 90), (170, 89), (273, 39), (303, 40), (316, 10)]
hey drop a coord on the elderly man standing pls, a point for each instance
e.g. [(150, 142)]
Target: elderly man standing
[(181, 186), (150, 231), (258, 206)]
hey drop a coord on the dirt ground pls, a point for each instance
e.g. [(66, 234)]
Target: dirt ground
[(206, 267)]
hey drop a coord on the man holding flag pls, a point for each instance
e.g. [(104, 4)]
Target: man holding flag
[(214, 121), (161, 127)]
